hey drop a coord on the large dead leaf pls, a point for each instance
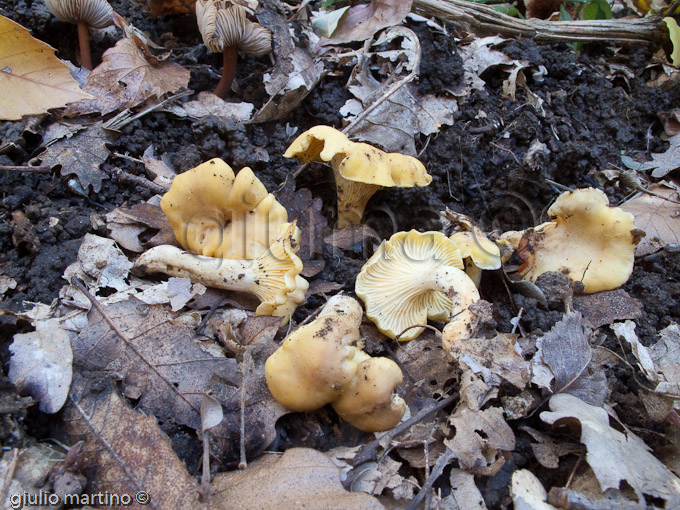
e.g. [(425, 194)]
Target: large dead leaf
[(41, 364), (362, 21), (664, 162), (464, 492), (32, 79), (127, 224), (163, 367), (425, 364), (80, 155), (208, 104), (480, 437), (125, 78), (496, 359), (615, 456), (565, 353), (300, 478), (126, 452), (398, 118), (606, 307), (659, 218)]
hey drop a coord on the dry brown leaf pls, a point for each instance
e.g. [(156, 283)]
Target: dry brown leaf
[(400, 117), (168, 373), (160, 170), (659, 218), (364, 20), (80, 154), (606, 307), (566, 354), (41, 364), (613, 455), (322, 288), (126, 452), (495, 359), (300, 478), (32, 79), (464, 492), (480, 437), (528, 493), (165, 7), (125, 78), (426, 365), (548, 452), (348, 237), (306, 210), (126, 224), (664, 162), (259, 329), (670, 121)]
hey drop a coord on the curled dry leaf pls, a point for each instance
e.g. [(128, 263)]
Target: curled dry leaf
[(32, 78), (80, 155), (364, 20), (658, 215), (126, 224), (614, 456), (208, 104), (528, 493), (300, 478), (41, 364), (125, 78), (464, 492), (126, 451)]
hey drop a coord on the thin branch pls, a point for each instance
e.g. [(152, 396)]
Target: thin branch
[(36, 169), (437, 471), (486, 19)]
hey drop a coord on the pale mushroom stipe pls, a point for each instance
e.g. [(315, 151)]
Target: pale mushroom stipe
[(226, 29), (84, 13)]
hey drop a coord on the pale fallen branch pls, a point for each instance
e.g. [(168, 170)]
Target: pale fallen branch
[(488, 21)]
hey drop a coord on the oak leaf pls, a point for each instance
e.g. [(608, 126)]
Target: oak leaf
[(32, 78), (125, 78)]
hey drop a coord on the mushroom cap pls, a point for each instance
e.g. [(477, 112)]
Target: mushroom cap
[(96, 13), (360, 169), (316, 361), (587, 240), (217, 214), (393, 282), (223, 24), (369, 402)]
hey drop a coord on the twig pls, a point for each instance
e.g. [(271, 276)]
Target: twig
[(486, 19), (125, 117), (137, 180), (437, 471), (36, 169), (243, 463), (81, 287), (9, 474), (368, 452)]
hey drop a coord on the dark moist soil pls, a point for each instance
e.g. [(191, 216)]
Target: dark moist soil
[(476, 164)]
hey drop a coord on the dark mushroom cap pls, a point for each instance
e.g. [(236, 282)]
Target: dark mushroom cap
[(223, 24), (96, 13)]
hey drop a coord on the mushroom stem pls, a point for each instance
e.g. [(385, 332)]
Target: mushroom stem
[(84, 41), (229, 59), (273, 277)]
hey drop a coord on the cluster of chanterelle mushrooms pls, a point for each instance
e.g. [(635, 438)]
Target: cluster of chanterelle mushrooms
[(237, 237)]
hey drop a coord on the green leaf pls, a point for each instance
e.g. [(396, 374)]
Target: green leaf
[(564, 14), (326, 23), (674, 35)]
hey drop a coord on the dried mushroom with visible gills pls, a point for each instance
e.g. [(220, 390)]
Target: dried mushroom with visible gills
[(225, 28), (320, 363), (273, 277), (359, 168), (84, 13), (217, 214), (587, 240), (413, 277)]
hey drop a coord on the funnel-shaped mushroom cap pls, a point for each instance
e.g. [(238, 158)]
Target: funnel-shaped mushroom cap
[(478, 252), (223, 24), (218, 215), (370, 403), (96, 13), (316, 361), (360, 169), (400, 284), (587, 240)]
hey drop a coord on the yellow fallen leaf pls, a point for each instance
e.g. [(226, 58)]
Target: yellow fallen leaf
[(32, 78), (674, 35)]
